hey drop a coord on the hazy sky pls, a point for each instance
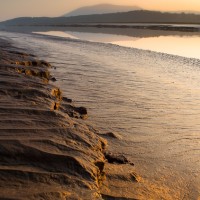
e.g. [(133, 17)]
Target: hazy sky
[(18, 8)]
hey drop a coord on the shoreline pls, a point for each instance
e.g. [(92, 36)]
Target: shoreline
[(147, 26), (45, 143), (162, 177)]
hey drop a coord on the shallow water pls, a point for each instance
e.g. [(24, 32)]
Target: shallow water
[(151, 99), (181, 45)]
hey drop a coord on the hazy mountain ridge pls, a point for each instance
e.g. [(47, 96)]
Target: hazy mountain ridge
[(139, 16), (101, 9)]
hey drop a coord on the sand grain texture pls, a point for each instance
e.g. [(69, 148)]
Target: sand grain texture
[(44, 153), (46, 150)]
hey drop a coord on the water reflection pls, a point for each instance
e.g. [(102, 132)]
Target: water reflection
[(176, 45), (93, 37), (181, 43)]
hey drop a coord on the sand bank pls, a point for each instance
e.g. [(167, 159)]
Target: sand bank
[(165, 27), (46, 149)]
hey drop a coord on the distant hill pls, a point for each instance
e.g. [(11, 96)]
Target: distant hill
[(101, 9), (139, 16)]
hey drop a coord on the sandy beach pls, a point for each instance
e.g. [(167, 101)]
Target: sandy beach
[(47, 150), (99, 101)]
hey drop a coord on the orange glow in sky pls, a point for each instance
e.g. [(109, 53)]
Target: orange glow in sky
[(54, 8)]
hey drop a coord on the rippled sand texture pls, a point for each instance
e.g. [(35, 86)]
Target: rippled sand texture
[(44, 154), (46, 151), (151, 100)]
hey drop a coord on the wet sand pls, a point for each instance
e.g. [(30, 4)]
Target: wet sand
[(47, 150)]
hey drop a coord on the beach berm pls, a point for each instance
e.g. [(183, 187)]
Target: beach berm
[(47, 151), (44, 153)]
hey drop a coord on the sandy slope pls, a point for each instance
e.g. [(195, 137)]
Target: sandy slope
[(46, 150)]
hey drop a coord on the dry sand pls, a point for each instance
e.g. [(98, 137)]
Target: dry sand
[(46, 149)]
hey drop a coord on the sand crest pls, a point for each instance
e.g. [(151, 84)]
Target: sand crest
[(46, 149)]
